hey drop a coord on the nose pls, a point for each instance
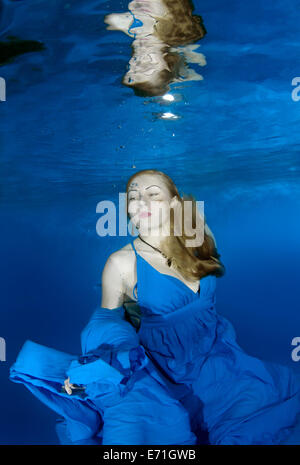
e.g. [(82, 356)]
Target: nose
[(143, 204)]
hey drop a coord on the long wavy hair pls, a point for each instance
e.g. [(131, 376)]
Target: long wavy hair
[(193, 263), (179, 26)]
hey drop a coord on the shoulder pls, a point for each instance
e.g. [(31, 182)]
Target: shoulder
[(122, 255), (119, 260), (116, 276)]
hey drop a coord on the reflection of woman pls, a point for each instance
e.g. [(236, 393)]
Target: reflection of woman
[(156, 26), (151, 70), (172, 21), (179, 372)]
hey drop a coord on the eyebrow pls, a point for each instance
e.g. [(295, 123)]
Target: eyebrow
[(153, 185)]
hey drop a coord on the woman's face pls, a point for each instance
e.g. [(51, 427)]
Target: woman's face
[(145, 65), (151, 7), (149, 204)]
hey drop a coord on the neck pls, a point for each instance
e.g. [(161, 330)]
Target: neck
[(169, 260), (155, 235), (153, 240)]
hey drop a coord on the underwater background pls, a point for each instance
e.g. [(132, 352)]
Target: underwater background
[(72, 134)]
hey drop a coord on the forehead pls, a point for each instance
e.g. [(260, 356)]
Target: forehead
[(145, 180)]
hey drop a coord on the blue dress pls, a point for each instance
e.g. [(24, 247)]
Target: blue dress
[(180, 379)]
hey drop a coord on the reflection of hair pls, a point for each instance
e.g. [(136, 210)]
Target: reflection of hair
[(191, 262), (179, 26), (159, 85)]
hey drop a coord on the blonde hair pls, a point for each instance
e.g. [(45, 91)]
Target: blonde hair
[(179, 26), (192, 262)]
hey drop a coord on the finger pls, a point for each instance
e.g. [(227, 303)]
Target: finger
[(69, 390), (67, 381), (69, 384)]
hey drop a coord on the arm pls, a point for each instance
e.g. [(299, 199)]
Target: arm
[(112, 284), (107, 324), (119, 22), (109, 343), (190, 55), (113, 291)]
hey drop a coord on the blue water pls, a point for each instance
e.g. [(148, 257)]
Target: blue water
[(71, 135)]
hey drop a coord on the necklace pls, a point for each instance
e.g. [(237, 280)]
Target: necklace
[(169, 260)]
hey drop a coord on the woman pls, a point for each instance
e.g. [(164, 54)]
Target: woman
[(183, 366)]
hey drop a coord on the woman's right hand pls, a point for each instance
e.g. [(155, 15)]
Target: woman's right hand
[(68, 386)]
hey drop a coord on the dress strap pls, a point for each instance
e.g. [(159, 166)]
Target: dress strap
[(136, 23), (131, 240), (136, 254)]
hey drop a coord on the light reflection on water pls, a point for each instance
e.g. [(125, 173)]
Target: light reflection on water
[(69, 125)]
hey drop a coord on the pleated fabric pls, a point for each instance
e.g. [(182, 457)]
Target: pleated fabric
[(176, 376)]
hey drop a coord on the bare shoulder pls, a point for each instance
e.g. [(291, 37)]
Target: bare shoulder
[(120, 260), (115, 276), (122, 255)]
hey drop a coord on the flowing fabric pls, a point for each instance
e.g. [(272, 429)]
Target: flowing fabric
[(125, 400), (244, 400), (180, 379)]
